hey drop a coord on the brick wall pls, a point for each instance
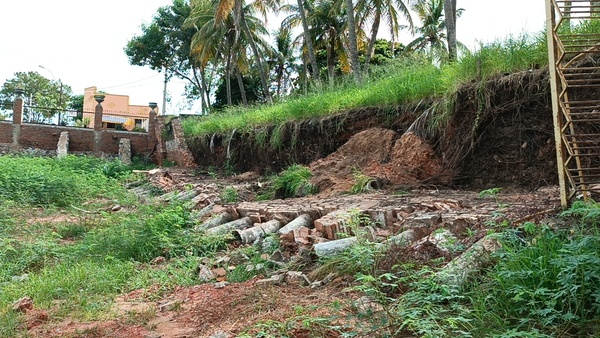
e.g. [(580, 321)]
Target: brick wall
[(5, 132), (139, 142), (45, 137)]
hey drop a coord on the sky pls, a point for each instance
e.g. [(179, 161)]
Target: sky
[(81, 42)]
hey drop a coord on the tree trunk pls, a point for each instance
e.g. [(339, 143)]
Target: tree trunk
[(261, 69), (204, 92), (240, 82), (374, 31), (450, 16), (228, 78), (331, 56), (308, 41), (353, 44), (279, 78)]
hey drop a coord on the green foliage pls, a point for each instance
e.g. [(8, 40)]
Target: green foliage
[(405, 81), (549, 283), (251, 264), (584, 211), (53, 182), (41, 91), (362, 182), (293, 182), (160, 233), (229, 195), (492, 192)]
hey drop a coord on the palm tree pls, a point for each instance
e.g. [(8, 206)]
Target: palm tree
[(236, 9), (297, 16), (450, 15), (352, 40), (213, 39), (328, 24), (431, 37), (218, 38), (284, 57), (389, 10)]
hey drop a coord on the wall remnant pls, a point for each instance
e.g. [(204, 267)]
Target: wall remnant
[(63, 144)]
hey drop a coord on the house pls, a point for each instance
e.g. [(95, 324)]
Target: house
[(117, 112)]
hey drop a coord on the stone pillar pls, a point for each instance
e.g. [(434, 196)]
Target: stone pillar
[(125, 151), (63, 145), (98, 125), (17, 117)]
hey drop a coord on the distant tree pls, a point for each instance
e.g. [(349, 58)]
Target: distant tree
[(44, 98), (76, 103), (391, 11), (164, 46), (283, 59), (250, 90)]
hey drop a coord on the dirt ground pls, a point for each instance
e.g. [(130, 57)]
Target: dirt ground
[(217, 310), (395, 162)]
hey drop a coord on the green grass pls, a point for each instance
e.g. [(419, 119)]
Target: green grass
[(294, 181), (406, 80), (106, 253)]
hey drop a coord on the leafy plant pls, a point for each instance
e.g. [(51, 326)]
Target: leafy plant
[(229, 195), (362, 182), (492, 192)]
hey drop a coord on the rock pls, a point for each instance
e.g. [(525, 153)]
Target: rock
[(365, 305), (220, 334), (220, 285), (204, 274), (23, 305), (296, 277), (21, 278), (273, 280), (169, 306), (158, 260)]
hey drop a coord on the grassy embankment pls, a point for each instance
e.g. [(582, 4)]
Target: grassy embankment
[(406, 80)]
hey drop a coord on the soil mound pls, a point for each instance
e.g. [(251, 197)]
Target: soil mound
[(383, 155)]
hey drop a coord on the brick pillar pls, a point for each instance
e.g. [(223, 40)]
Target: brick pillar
[(98, 125), (152, 125), (18, 107), (98, 112), (17, 117)]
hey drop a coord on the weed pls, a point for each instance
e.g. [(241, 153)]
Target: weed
[(229, 195), (362, 182), (492, 192), (293, 182)]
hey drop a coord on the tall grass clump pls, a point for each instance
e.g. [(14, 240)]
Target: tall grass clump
[(44, 181), (293, 182)]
